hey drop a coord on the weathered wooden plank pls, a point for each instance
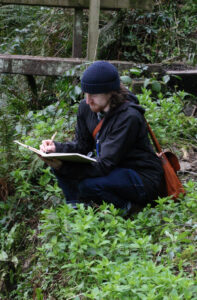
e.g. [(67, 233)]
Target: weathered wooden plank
[(36, 65), (45, 66), (182, 72), (105, 4), (93, 29), (49, 66), (77, 33)]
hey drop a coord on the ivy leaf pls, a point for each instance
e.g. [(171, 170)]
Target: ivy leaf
[(135, 71), (126, 79), (3, 256), (156, 86), (146, 82), (15, 260), (166, 78), (77, 90)]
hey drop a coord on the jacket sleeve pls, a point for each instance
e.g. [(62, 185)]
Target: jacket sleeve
[(123, 136), (83, 142)]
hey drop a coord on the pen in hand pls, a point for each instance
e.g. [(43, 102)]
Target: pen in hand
[(52, 139), (52, 162), (48, 146), (53, 136)]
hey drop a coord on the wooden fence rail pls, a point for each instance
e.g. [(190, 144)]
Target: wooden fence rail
[(55, 66), (105, 4)]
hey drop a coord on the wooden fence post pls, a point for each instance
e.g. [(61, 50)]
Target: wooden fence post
[(93, 29), (77, 33)]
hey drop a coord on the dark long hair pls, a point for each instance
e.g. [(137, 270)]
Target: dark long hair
[(118, 97)]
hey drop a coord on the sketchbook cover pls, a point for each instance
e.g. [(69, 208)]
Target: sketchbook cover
[(75, 157)]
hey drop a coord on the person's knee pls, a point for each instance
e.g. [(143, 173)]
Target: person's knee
[(89, 187), (84, 186)]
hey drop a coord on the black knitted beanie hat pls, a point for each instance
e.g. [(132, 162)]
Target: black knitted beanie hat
[(100, 77)]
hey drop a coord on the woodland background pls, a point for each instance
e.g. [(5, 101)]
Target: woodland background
[(50, 251)]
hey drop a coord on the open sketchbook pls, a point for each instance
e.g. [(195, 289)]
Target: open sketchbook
[(76, 157)]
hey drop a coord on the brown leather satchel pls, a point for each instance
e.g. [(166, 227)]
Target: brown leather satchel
[(170, 165)]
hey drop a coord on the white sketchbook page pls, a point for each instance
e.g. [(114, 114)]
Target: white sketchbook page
[(76, 157), (30, 148)]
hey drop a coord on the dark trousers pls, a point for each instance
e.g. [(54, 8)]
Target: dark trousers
[(119, 187)]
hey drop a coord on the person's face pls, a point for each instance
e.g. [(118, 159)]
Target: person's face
[(98, 102)]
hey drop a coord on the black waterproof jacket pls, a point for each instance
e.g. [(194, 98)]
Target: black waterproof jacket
[(124, 142)]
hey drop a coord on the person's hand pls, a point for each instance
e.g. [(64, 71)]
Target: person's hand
[(48, 146), (52, 162)]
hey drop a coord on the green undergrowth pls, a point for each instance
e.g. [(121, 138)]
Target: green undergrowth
[(167, 118), (49, 251), (88, 254)]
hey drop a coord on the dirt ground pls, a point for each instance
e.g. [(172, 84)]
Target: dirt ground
[(188, 160), (188, 164)]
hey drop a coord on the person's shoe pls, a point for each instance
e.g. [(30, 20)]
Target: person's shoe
[(126, 210), (73, 204)]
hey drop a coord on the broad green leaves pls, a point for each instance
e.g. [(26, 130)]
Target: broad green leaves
[(102, 256)]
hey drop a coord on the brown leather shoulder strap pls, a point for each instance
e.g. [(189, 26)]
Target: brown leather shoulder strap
[(154, 139), (97, 128)]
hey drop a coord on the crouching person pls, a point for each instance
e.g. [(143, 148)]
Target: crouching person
[(127, 170)]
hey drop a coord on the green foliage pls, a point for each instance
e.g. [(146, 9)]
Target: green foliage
[(167, 118), (99, 255), (89, 254), (8, 126), (35, 31), (168, 34)]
